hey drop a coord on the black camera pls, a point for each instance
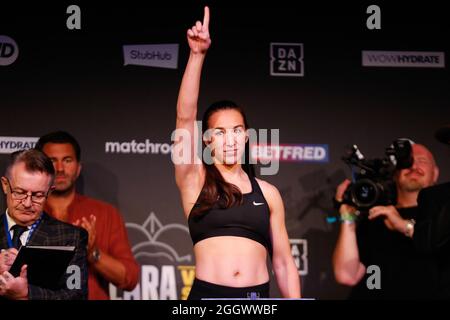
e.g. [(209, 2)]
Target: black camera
[(373, 179)]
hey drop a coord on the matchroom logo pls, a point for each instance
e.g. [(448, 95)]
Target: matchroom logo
[(9, 51), (10, 144), (137, 147), (286, 59), (415, 59)]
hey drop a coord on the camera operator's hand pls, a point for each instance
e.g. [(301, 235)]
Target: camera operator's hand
[(344, 209), (340, 190), (392, 218)]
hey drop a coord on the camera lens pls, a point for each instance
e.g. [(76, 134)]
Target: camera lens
[(365, 193)]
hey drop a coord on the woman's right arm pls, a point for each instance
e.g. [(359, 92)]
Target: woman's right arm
[(199, 42), (188, 166)]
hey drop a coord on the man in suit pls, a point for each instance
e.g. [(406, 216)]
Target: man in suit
[(27, 182), (432, 232)]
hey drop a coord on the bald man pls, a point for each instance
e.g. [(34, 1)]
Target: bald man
[(376, 256)]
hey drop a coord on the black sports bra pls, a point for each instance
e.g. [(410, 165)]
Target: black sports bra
[(250, 220)]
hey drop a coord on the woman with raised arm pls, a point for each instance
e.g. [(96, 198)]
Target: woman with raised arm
[(234, 219)]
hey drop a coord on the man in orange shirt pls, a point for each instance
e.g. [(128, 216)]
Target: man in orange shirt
[(109, 253)]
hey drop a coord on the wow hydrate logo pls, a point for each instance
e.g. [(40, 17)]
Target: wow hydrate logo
[(151, 55), (9, 51), (11, 144), (290, 152), (403, 59)]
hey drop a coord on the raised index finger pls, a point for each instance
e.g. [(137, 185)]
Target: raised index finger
[(206, 18)]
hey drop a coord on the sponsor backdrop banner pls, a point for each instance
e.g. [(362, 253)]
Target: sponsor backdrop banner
[(316, 75)]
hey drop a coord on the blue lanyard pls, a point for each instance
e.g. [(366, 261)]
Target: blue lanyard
[(8, 235)]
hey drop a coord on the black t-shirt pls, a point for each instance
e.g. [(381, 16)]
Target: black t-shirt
[(432, 233), (405, 273)]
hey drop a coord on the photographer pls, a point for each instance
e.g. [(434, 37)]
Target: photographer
[(382, 237)]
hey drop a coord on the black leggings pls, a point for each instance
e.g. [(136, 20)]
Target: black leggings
[(203, 289)]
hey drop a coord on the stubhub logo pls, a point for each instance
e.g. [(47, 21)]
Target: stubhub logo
[(151, 55)]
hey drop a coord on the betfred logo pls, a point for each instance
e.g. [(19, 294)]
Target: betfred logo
[(9, 51), (290, 152), (286, 59)]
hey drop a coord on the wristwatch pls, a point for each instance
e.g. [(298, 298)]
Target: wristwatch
[(410, 228), (95, 255)]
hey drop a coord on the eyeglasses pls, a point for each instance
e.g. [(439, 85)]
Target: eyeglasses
[(37, 197)]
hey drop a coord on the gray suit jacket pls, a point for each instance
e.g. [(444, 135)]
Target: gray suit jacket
[(52, 232)]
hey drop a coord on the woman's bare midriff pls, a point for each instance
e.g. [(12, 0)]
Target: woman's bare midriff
[(231, 261)]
